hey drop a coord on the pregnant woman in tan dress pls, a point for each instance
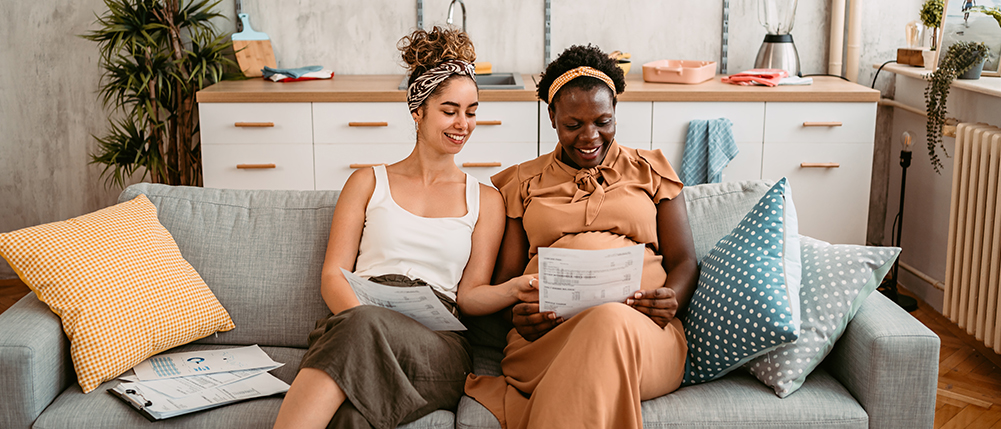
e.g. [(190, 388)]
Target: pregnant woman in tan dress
[(593, 369)]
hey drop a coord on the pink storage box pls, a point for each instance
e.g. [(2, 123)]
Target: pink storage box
[(679, 71)]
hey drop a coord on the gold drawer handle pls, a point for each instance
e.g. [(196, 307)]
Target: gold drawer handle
[(356, 166), (478, 123), (254, 124), (820, 165), (368, 124), (480, 164), (822, 124), (254, 166)]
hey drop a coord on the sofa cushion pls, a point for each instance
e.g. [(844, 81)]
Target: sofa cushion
[(261, 253), (747, 300), (715, 209), (735, 400), (837, 279), (119, 284), (73, 409)]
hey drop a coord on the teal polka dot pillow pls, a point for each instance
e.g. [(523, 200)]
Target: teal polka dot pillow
[(836, 281), (747, 300)]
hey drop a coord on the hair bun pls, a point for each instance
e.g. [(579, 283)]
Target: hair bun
[(424, 49)]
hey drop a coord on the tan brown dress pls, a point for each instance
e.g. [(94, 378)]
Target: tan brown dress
[(594, 369)]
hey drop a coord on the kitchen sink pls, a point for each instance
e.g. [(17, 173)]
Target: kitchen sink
[(490, 81)]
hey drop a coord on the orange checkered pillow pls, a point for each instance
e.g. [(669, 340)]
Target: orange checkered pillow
[(120, 285)]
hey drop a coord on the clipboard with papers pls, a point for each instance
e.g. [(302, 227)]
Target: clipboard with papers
[(168, 393)]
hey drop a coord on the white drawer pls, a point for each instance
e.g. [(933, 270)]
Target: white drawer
[(745, 166), (820, 122), (504, 122), (355, 123), (334, 161), (832, 203), (292, 166), (671, 119), (483, 160), (255, 123), (632, 125)]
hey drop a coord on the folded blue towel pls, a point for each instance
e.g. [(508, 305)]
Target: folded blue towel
[(292, 73), (708, 149)]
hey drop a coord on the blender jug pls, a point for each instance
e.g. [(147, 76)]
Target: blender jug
[(778, 51)]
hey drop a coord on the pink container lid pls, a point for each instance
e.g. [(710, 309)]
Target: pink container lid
[(679, 71)]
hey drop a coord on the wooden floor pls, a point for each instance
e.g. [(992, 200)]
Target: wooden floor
[(969, 382)]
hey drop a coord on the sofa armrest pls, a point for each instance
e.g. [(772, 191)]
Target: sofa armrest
[(35, 361), (888, 360)]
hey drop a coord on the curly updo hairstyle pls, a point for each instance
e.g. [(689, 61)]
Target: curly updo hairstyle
[(577, 56), (423, 50)]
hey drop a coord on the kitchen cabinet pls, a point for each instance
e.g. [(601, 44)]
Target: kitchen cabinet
[(312, 135), (257, 145), (671, 130), (825, 150)]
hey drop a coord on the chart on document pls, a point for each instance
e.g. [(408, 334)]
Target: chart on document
[(571, 281)]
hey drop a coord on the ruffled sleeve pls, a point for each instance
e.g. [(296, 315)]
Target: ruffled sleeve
[(513, 188), (669, 185)]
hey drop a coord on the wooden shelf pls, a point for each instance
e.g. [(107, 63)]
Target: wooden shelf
[(985, 85)]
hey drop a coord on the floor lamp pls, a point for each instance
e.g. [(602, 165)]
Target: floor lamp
[(889, 287)]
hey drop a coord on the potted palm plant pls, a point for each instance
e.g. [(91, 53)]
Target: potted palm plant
[(958, 59), (155, 55)]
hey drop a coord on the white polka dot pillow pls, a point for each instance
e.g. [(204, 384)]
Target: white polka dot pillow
[(120, 285), (747, 300), (836, 281)]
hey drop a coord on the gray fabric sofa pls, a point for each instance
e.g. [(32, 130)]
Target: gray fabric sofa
[(261, 253)]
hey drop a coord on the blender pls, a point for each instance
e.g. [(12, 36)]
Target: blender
[(778, 51)]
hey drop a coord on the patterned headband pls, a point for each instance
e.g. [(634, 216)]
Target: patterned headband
[(426, 83), (576, 73)]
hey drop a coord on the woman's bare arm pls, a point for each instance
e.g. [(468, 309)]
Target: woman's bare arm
[(678, 250), (345, 237)]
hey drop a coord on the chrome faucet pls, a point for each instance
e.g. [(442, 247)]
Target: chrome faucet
[(451, 11)]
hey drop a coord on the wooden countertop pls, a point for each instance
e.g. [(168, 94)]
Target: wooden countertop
[(823, 89), (376, 88), (984, 85), (342, 88)]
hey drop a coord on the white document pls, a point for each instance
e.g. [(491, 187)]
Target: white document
[(420, 303), (203, 362), (186, 386), (571, 281), (160, 406)]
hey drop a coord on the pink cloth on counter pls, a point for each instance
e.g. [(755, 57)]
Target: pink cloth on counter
[(767, 77)]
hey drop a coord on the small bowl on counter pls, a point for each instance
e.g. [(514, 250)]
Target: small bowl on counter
[(679, 71)]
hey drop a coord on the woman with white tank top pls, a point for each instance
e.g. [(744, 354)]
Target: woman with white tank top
[(420, 221)]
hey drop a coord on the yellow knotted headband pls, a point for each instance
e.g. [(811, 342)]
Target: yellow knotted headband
[(576, 73)]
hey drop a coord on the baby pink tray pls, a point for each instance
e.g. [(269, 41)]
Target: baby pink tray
[(679, 71)]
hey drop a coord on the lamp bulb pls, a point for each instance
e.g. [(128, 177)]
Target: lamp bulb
[(906, 140)]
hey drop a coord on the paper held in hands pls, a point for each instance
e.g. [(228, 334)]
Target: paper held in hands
[(420, 302), (571, 281)]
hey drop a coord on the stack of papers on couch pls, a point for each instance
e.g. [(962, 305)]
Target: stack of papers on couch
[(173, 384)]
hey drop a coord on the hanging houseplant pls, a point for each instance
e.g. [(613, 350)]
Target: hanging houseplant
[(957, 60), (155, 55)]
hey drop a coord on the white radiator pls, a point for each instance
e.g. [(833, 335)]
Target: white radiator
[(974, 250)]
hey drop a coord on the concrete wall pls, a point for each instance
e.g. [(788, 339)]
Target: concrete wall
[(48, 77)]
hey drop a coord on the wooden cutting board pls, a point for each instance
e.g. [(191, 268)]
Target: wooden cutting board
[(253, 49)]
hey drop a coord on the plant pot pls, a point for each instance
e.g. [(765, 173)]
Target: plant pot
[(929, 57), (973, 72)]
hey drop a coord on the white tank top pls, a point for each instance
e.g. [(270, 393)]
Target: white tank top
[(395, 241)]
